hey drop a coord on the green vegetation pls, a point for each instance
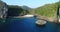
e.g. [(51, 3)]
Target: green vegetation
[(26, 7), (48, 10), (14, 10)]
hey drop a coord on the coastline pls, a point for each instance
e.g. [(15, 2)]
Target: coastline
[(39, 17)]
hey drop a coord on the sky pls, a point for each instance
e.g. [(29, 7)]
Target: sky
[(30, 3)]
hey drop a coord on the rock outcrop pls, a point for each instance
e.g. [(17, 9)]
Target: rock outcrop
[(3, 9), (50, 19)]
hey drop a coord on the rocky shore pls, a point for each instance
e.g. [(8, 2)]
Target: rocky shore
[(50, 19)]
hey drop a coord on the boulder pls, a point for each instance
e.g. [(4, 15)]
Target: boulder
[(40, 22)]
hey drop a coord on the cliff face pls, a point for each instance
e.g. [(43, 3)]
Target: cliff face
[(3, 9)]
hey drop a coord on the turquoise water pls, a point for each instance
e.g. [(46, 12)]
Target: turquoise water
[(28, 25)]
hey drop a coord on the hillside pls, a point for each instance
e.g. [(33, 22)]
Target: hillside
[(15, 10), (47, 10), (26, 7)]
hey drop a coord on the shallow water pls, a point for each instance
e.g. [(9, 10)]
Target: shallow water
[(28, 25)]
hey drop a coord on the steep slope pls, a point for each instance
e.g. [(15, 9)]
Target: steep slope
[(47, 10), (14, 10)]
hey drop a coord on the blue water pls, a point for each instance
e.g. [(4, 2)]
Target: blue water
[(28, 25)]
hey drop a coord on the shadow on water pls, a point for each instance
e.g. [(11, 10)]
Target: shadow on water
[(58, 27), (28, 25)]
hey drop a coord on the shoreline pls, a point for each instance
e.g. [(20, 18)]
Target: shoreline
[(50, 19)]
